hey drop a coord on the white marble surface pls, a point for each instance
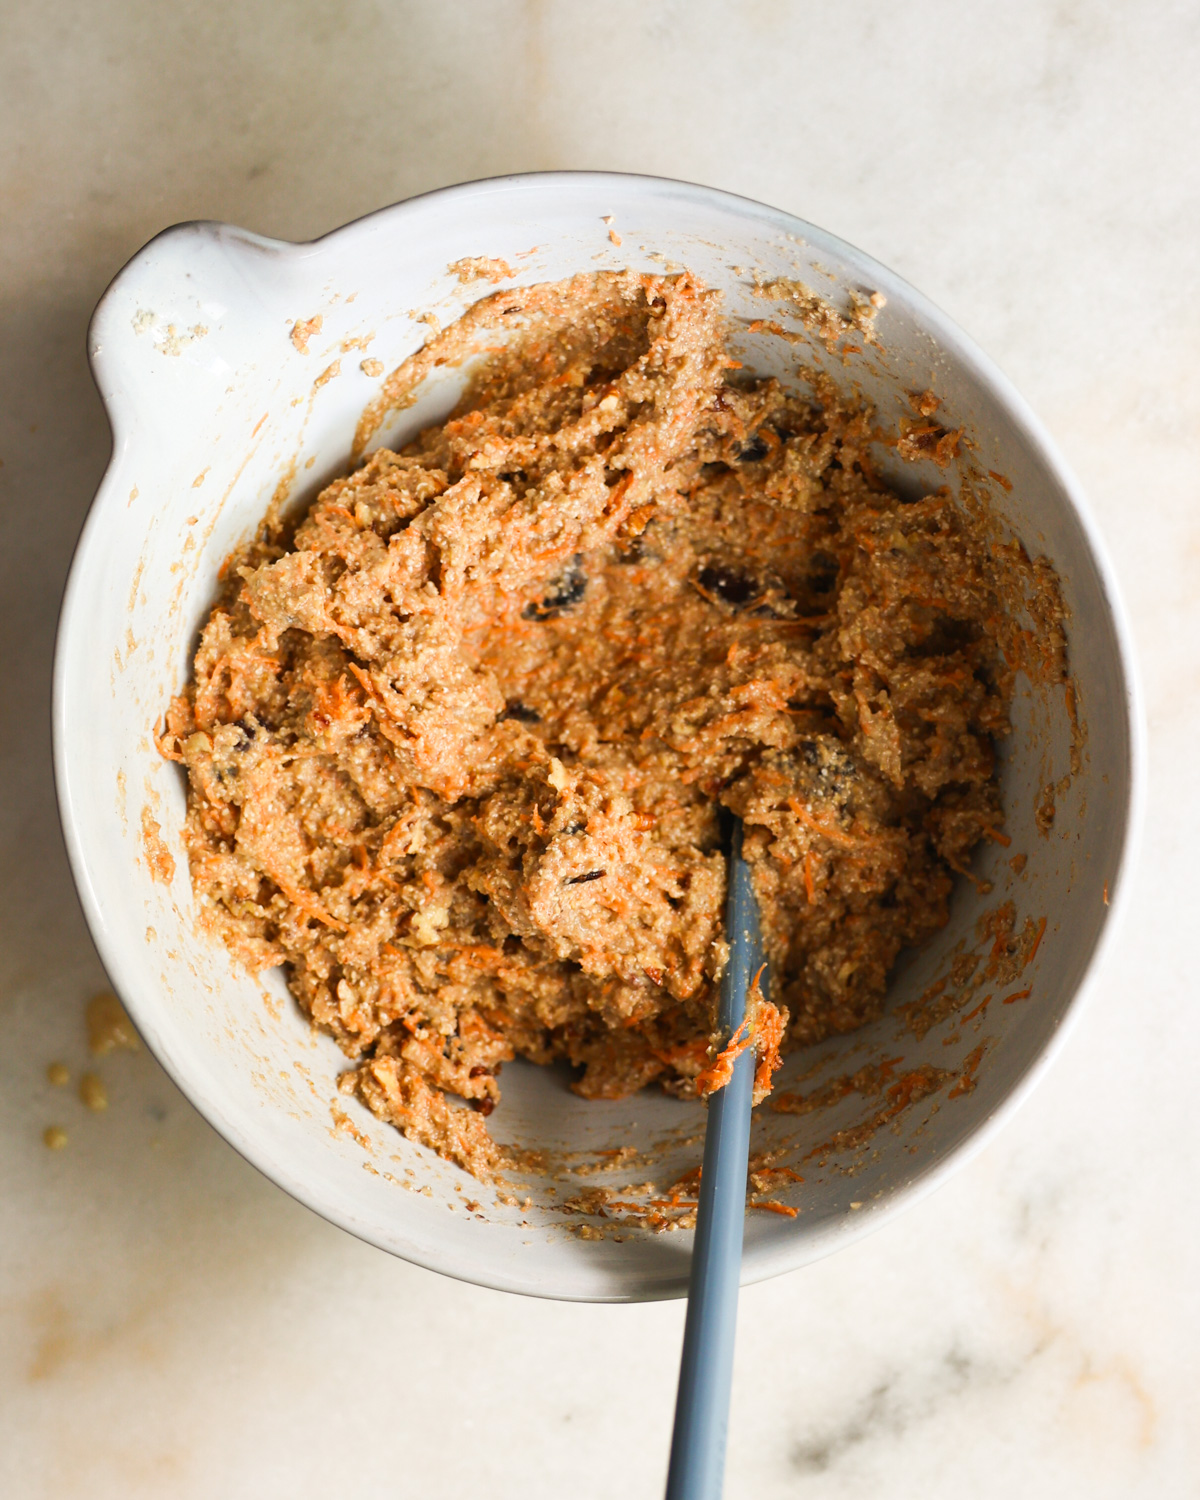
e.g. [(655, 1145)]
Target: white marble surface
[(172, 1325)]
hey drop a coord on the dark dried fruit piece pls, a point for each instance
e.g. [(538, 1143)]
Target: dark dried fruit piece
[(583, 879), (729, 585), (567, 589), (515, 709)]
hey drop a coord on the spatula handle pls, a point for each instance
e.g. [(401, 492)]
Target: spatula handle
[(697, 1469)]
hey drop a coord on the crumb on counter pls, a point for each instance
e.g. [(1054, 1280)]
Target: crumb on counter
[(92, 1092), (109, 1028)]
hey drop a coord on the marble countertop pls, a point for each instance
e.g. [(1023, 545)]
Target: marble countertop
[(173, 1325)]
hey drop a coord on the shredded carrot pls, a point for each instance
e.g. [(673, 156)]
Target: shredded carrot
[(762, 1029), (768, 1035), (834, 835), (1019, 995), (304, 900), (1037, 942), (980, 1009), (773, 1205), (966, 1081), (809, 887), (763, 1177), (332, 508), (1000, 838), (720, 1071), (617, 495), (690, 1182), (1003, 932)]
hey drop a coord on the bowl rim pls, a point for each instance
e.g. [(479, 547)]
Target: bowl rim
[(950, 339)]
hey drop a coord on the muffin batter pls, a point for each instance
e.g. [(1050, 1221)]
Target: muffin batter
[(456, 742)]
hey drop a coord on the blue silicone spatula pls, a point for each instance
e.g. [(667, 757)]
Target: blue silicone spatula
[(697, 1470)]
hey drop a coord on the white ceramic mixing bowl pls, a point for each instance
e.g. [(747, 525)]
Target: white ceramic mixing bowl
[(213, 405)]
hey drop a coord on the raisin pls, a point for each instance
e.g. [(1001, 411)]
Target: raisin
[(515, 709), (246, 733), (730, 586), (567, 589), (583, 879)]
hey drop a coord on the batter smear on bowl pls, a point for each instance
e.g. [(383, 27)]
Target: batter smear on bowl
[(457, 740)]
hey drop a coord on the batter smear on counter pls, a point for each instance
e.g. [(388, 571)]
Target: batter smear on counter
[(456, 741)]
